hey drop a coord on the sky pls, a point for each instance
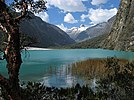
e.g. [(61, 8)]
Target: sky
[(73, 13)]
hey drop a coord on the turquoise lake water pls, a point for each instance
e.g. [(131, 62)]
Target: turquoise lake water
[(49, 66)]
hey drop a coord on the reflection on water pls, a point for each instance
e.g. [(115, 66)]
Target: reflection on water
[(59, 77), (49, 67)]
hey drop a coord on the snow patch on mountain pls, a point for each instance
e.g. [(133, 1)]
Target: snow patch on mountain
[(74, 31)]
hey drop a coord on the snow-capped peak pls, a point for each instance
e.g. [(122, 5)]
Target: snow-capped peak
[(74, 31)]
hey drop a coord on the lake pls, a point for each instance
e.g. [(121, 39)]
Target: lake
[(49, 66)]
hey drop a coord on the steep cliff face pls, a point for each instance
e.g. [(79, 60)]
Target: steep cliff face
[(121, 36)]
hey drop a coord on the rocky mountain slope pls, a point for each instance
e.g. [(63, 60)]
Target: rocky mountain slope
[(96, 30), (46, 34), (121, 36)]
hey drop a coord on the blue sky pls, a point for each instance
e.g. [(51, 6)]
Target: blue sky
[(72, 13)]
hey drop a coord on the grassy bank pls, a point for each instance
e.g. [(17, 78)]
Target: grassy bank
[(95, 68)]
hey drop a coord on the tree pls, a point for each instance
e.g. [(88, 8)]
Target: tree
[(9, 24)]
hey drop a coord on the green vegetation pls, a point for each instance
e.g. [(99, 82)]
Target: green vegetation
[(91, 43), (36, 91), (118, 84)]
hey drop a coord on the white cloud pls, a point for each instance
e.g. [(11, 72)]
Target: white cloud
[(69, 18), (84, 0), (83, 16), (98, 2), (101, 15), (61, 26), (36, 0), (43, 15), (68, 5)]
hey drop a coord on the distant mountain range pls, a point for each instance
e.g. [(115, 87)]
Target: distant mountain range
[(83, 33), (120, 34), (96, 30), (46, 34)]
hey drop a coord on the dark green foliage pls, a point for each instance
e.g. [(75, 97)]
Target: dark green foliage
[(119, 83), (33, 91), (26, 40), (36, 91), (3, 93), (36, 7)]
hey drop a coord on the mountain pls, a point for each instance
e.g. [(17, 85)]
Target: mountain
[(95, 42), (121, 36), (90, 43), (74, 31), (96, 30), (46, 34)]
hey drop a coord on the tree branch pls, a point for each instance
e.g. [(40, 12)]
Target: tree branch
[(3, 28), (24, 11)]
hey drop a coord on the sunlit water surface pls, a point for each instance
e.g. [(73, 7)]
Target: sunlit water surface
[(50, 66)]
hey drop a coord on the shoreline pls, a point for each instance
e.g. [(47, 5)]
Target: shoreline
[(36, 48)]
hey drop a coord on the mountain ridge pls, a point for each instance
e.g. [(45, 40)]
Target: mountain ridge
[(95, 41), (74, 31), (46, 35), (96, 30)]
